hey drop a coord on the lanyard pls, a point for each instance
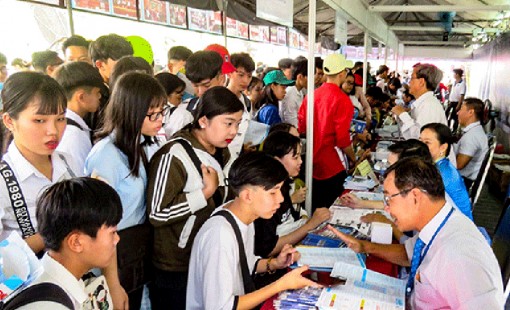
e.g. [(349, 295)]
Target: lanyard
[(434, 236)]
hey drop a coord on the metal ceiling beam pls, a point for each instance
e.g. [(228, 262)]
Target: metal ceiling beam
[(436, 8), (467, 30), (396, 21), (424, 43), (374, 24)]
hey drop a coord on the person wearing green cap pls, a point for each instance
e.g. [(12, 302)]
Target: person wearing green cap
[(275, 89)]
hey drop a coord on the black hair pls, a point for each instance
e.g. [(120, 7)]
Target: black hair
[(268, 96), (111, 46), (285, 127), (284, 63), (132, 97), (216, 101), (256, 169), (41, 60), (243, 60), (443, 134), (353, 90), (128, 64), (410, 148), (281, 143), (254, 81), (170, 82), (179, 53), (319, 62), (21, 88), (3, 59), (75, 40), (374, 92), (408, 94), (459, 72), (475, 104), (395, 82), (414, 172), (77, 74), (77, 204), (203, 65), (20, 63), (299, 66)]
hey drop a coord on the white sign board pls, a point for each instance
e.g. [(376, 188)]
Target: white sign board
[(340, 29), (277, 11)]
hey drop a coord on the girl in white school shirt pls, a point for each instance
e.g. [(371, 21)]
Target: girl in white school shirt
[(34, 113)]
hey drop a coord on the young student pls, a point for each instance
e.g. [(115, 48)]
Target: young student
[(254, 92), (34, 114), (134, 114), (294, 94), (82, 85), (222, 261), (204, 70), (238, 83), (177, 57), (186, 183), (274, 91), (178, 117), (46, 62), (77, 220), (76, 48)]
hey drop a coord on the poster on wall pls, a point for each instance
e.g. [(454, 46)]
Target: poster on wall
[(282, 35), (274, 35), (125, 8), (177, 15), (197, 19), (52, 2), (303, 42), (243, 30), (154, 11), (259, 33), (232, 29), (214, 22), (92, 5), (293, 39)]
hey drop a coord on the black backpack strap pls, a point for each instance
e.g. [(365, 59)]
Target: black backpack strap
[(247, 102), (73, 123), (68, 168), (192, 105), (17, 199), (40, 292), (249, 285), (191, 153)]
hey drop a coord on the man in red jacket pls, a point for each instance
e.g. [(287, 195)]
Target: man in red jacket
[(332, 147)]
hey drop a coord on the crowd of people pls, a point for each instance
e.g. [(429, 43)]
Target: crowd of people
[(97, 146)]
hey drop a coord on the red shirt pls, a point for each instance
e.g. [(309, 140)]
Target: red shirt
[(332, 119)]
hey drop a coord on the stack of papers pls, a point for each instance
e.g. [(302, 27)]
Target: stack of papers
[(323, 237), (304, 298), (359, 183), (325, 258), (364, 289)]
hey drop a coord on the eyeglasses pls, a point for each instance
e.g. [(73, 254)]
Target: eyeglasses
[(156, 115), (387, 198)]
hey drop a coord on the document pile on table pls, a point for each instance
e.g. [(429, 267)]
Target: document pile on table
[(359, 183), (363, 289), (304, 298)]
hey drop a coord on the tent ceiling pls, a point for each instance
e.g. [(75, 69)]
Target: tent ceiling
[(415, 21)]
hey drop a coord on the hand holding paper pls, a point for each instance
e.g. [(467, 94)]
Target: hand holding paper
[(353, 243)]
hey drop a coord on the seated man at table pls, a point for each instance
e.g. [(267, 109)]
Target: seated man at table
[(473, 145), (452, 266), (222, 261)]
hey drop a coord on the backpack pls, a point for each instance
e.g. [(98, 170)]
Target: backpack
[(39, 292)]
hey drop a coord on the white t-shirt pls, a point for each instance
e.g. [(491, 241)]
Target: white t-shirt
[(75, 141), (458, 89), (57, 274), (214, 279), (474, 144), (32, 183), (175, 122)]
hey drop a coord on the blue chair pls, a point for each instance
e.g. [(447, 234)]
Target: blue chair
[(501, 245)]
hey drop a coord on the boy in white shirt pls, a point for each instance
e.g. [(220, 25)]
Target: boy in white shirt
[(82, 85), (78, 222), (221, 265)]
